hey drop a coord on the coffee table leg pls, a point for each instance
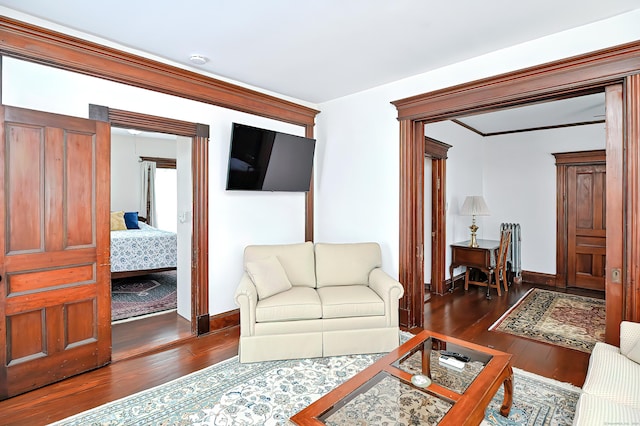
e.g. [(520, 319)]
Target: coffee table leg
[(508, 394)]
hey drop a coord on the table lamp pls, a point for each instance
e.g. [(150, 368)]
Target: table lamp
[(474, 205)]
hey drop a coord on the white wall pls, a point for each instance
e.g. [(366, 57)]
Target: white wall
[(126, 150), (519, 178), (236, 219), (185, 223), (357, 192)]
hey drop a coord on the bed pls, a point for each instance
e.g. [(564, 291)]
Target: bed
[(142, 251)]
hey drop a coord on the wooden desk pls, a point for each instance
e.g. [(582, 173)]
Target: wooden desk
[(481, 257)]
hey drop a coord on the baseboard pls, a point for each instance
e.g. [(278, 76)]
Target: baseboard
[(224, 320), (539, 278)]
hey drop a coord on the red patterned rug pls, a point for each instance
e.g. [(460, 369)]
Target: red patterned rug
[(142, 295), (567, 320)]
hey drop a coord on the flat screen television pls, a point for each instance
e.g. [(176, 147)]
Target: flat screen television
[(266, 160)]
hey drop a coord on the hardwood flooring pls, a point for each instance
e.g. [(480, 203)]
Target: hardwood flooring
[(463, 315), (151, 333), (469, 315)]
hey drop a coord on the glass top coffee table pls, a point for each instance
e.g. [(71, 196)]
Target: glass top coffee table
[(430, 379)]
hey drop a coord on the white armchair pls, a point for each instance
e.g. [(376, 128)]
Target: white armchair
[(611, 391)]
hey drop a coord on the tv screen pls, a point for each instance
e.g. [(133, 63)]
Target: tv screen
[(266, 160)]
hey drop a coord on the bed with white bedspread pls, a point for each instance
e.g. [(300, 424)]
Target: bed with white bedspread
[(144, 250)]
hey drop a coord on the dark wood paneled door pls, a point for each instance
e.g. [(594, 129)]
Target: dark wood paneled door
[(586, 226), (55, 318)]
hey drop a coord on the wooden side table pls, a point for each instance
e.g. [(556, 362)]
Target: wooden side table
[(482, 258)]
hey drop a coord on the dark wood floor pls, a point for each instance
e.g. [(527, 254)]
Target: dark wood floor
[(460, 314), (151, 333), (469, 315)]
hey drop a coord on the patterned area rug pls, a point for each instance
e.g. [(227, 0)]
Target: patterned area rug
[(268, 393), (146, 294), (567, 320)]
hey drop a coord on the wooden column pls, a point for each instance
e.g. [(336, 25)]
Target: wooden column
[(614, 277), (200, 243), (308, 200), (437, 151), (411, 267), (632, 270)]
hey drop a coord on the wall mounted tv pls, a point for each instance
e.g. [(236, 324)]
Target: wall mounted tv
[(266, 160)]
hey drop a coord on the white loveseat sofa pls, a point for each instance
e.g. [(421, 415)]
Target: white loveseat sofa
[(611, 390), (305, 301)]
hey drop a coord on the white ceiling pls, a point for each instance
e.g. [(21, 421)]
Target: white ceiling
[(320, 50), (583, 109)]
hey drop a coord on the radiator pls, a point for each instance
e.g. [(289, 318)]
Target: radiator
[(514, 255)]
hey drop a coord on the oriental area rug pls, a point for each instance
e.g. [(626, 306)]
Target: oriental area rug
[(143, 295), (567, 320), (269, 393)]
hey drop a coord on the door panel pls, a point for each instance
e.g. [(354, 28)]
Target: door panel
[(55, 319), (586, 221)]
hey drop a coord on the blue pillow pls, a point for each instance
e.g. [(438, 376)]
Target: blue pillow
[(131, 220)]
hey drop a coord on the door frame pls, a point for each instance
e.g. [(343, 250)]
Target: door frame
[(437, 151), (563, 161), (584, 74), (199, 134)]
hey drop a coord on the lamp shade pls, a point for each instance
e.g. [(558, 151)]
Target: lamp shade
[(474, 205)]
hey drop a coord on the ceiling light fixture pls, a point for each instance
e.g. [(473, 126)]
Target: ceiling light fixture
[(198, 59), (134, 131)]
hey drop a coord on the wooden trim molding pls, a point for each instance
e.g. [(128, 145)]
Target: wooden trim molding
[(200, 245), (632, 185), (433, 148), (581, 157), (583, 74), (554, 80), (161, 162), (412, 223), (616, 216), (224, 320), (539, 278), (25, 41), (308, 199), (438, 151)]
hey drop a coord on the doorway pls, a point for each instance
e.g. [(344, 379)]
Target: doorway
[(151, 259), (197, 215), (581, 213), (411, 146)]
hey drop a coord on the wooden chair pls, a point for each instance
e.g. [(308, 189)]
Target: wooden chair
[(499, 273)]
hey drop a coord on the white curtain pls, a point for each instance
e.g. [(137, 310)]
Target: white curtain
[(148, 189)]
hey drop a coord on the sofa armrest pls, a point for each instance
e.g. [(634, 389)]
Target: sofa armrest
[(246, 298), (629, 336), (389, 291)]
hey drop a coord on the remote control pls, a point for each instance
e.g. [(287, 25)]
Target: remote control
[(451, 362), (456, 355)]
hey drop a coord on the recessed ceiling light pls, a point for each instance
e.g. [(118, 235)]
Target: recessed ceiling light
[(198, 59)]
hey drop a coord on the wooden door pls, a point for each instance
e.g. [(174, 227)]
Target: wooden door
[(586, 226), (55, 318)]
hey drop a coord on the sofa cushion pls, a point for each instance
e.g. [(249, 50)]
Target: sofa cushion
[(298, 303), (350, 301), (296, 259), (268, 276), (634, 353), (592, 410), (612, 376), (346, 264)]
